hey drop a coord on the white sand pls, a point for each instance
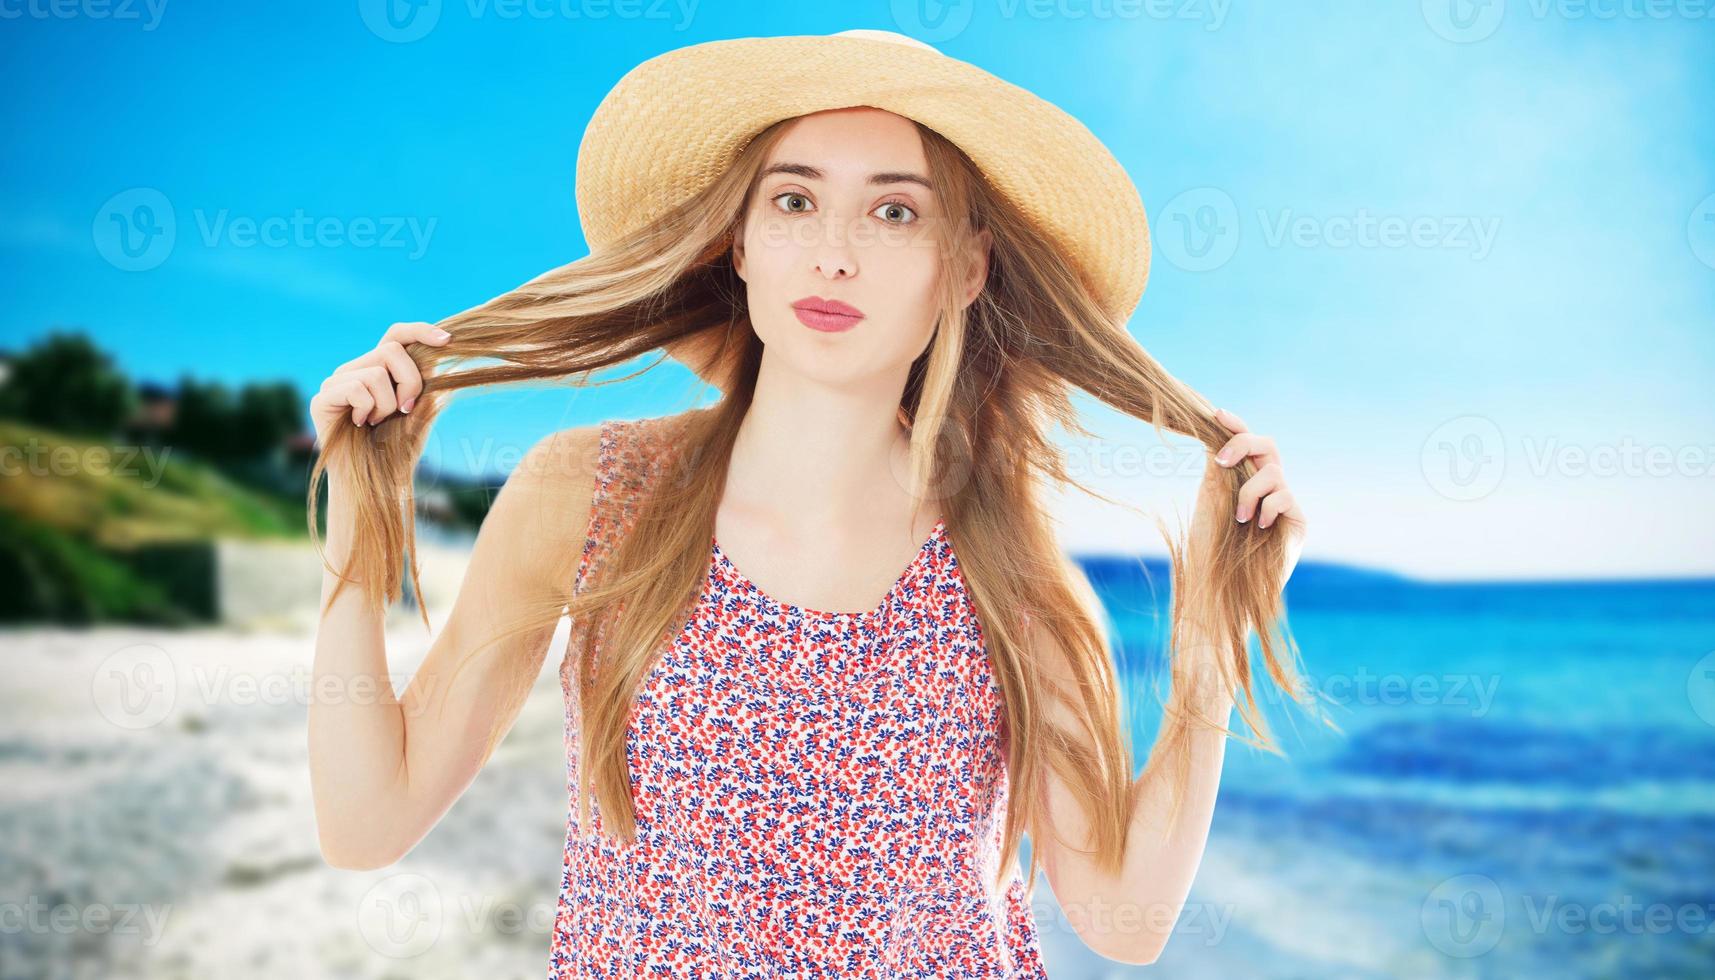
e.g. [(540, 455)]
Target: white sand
[(156, 829), (157, 822)]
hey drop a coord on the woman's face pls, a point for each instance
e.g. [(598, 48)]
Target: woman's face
[(839, 219)]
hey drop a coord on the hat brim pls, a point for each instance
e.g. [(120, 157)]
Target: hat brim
[(675, 122)]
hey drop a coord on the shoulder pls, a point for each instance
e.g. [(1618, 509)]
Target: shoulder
[(637, 451), (544, 504), (563, 461), (660, 433), (575, 468)]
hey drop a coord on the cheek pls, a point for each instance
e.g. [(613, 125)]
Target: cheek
[(911, 294), (768, 281), (910, 268), (762, 247), (902, 291)]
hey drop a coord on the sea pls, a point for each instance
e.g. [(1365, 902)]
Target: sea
[(1506, 779)]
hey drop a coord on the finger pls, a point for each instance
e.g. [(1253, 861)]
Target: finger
[(364, 359), (1248, 444), (407, 380), (356, 394), (416, 332), (1265, 480), (1230, 420), (1275, 504), (401, 334), (379, 384)]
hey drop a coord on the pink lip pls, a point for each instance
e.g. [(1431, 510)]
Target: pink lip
[(828, 315)]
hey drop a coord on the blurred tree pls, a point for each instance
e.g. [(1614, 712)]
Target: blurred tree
[(251, 426), (65, 383), (205, 422), (268, 414)]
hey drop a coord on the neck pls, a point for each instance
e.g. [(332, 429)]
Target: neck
[(812, 454)]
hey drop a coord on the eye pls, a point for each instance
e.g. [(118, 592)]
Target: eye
[(899, 205), (795, 194)]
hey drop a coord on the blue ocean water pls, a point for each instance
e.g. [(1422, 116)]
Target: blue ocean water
[(1523, 784)]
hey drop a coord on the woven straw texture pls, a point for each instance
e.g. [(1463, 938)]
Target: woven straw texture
[(676, 121)]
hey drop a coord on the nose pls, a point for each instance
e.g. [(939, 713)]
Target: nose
[(836, 266), (833, 253)]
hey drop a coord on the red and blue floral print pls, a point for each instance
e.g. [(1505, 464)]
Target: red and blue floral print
[(817, 794)]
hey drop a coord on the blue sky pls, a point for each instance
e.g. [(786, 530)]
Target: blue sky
[(1459, 260)]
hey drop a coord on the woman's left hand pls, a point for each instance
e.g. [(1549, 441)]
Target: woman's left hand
[(1264, 498)]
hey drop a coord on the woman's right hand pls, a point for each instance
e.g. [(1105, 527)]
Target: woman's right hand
[(375, 384)]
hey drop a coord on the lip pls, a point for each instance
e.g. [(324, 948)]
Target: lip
[(828, 315)]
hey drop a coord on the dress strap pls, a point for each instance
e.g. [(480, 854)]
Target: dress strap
[(631, 455), (599, 530)]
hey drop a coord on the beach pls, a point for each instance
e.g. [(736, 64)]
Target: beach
[(157, 816)]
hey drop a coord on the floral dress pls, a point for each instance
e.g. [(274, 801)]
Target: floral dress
[(818, 794)]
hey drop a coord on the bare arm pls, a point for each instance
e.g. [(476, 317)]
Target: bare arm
[(384, 769), (1129, 917)]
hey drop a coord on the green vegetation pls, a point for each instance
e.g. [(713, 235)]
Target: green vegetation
[(92, 531), (113, 494), (123, 496)]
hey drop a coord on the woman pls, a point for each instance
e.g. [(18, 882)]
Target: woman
[(786, 755)]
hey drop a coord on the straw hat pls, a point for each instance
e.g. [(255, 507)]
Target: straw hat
[(678, 120)]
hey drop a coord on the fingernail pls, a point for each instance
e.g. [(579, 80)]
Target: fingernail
[(407, 406), (1239, 516), (441, 334), (1223, 456)]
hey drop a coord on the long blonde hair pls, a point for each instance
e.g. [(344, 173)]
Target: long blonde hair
[(978, 402)]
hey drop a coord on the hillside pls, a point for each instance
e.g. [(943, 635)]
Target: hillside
[(90, 531)]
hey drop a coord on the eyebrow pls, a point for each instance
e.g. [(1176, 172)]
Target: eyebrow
[(808, 172)]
